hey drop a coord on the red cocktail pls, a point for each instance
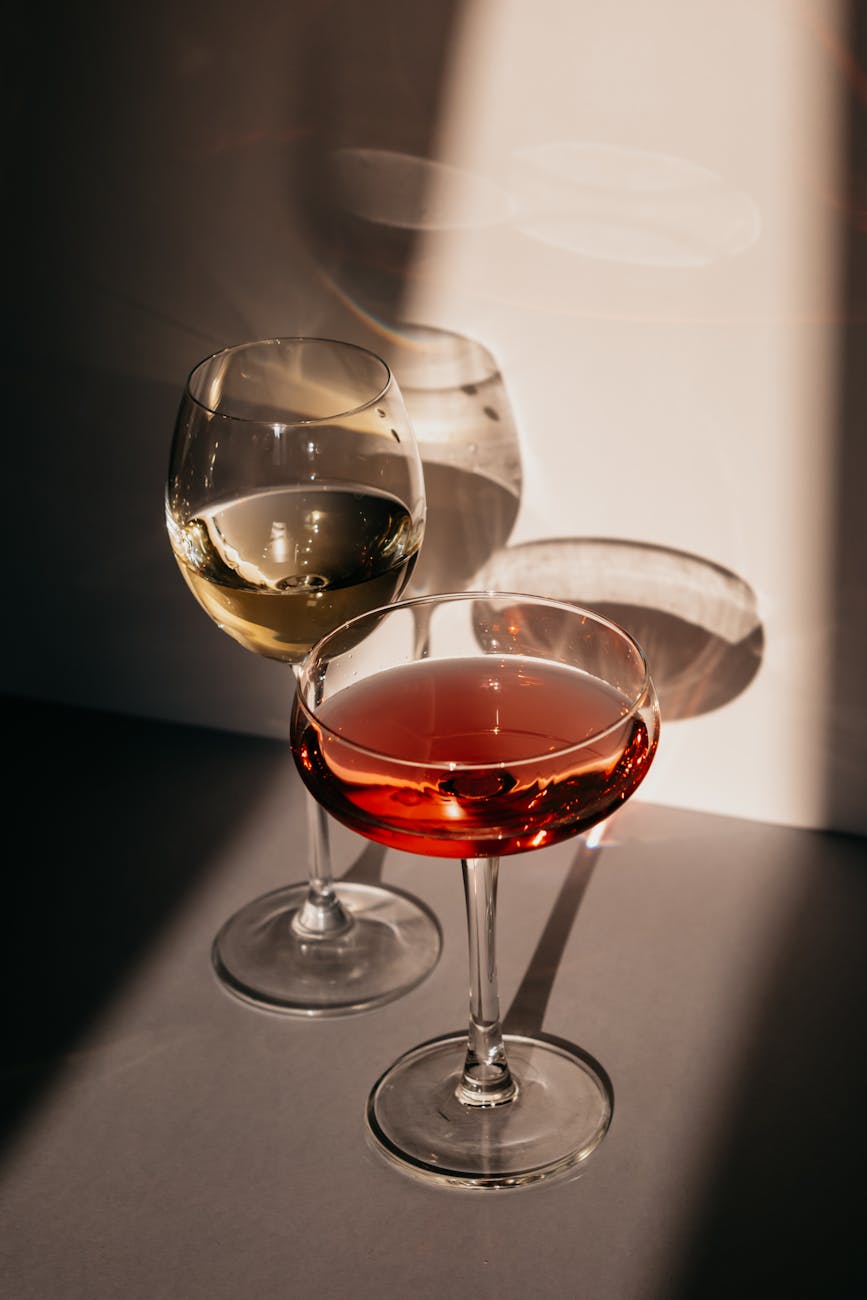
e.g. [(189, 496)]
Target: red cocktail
[(524, 722)]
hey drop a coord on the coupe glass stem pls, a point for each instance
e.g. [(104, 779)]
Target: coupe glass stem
[(322, 914), (486, 1079)]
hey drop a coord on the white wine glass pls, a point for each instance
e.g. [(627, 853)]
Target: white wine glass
[(295, 500), (523, 722)]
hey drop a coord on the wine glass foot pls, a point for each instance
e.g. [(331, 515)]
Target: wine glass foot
[(560, 1115), (393, 943)]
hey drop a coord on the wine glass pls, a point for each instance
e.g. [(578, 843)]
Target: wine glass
[(525, 722), (295, 499), (468, 441)]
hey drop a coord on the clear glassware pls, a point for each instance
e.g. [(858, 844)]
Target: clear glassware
[(522, 723), (470, 449), (295, 500)]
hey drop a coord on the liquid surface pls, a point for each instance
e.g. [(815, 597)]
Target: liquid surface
[(472, 757), (278, 569)]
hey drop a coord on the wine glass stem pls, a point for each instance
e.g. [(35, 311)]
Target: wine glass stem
[(322, 915), (486, 1079)]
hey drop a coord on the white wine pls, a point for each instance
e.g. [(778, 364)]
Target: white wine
[(279, 568)]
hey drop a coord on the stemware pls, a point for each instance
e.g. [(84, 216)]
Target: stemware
[(294, 500), (470, 448), (522, 723)]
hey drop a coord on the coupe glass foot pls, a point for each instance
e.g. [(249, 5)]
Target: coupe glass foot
[(392, 944), (560, 1115)]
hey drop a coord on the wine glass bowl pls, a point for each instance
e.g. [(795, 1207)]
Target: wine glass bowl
[(417, 760), (295, 500), (291, 505), (521, 723)]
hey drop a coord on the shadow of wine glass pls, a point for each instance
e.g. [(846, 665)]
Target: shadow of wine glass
[(699, 626), (468, 439), (95, 924), (527, 1009), (366, 868), (470, 448), (697, 622)]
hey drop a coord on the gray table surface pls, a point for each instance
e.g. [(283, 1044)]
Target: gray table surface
[(163, 1139)]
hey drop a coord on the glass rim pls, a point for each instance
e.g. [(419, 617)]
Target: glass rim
[(635, 702), (277, 340)]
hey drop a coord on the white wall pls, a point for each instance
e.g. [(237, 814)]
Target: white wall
[(658, 275), (640, 207)]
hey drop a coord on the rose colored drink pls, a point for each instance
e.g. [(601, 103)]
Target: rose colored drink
[(470, 757)]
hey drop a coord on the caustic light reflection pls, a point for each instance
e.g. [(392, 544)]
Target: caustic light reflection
[(627, 205), (412, 193), (590, 199)]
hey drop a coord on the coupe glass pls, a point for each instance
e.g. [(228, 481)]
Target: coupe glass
[(295, 500), (468, 440), (525, 722)]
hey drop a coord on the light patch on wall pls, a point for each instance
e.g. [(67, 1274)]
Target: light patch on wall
[(629, 205), (663, 298)]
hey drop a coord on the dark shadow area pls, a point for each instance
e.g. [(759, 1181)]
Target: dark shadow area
[(102, 583), (782, 1213), (371, 87), (697, 622), (196, 174), (526, 1014), (174, 193), (783, 1210), (845, 749), (113, 821)]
